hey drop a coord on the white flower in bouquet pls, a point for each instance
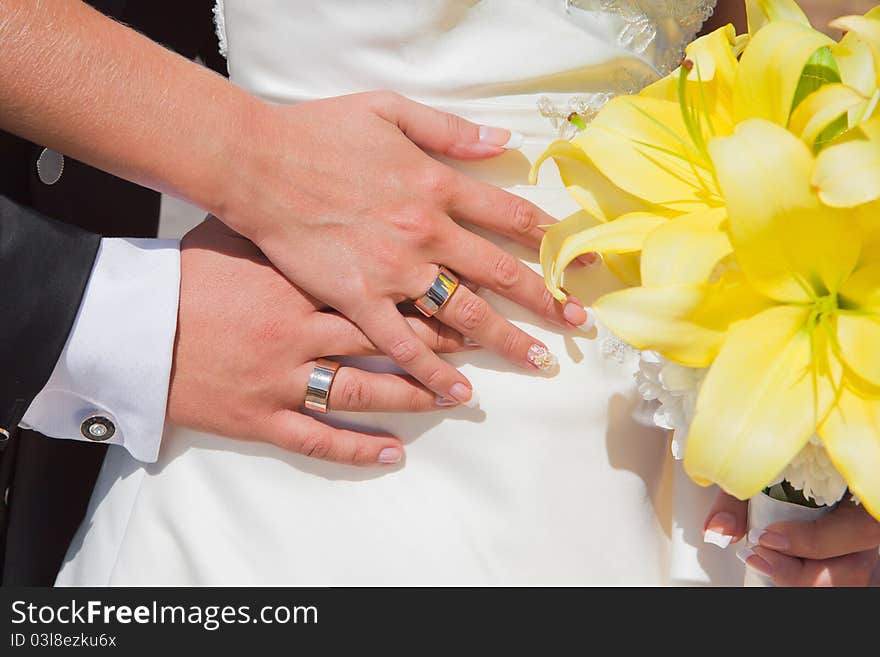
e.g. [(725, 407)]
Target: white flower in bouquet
[(813, 473)]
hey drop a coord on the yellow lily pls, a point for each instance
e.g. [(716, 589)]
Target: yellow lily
[(648, 154), (792, 332)]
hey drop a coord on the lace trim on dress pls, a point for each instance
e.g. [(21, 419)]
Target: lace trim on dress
[(220, 26), (642, 19)]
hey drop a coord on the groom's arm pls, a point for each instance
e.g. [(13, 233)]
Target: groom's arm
[(93, 334), (45, 267)]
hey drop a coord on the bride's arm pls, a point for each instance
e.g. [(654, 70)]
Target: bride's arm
[(336, 192), (77, 81)]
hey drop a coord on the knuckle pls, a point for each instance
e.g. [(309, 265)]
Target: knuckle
[(506, 270), (385, 98), (417, 400), (404, 351), (444, 338), (417, 226), (359, 453), (547, 302), (356, 395), (472, 313), (434, 377), (455, 127), (808, 543), (317, 446), (271, 329), (523, 216), (510, 345), (436, 182)]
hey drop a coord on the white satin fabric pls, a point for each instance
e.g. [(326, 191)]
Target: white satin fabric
[(551, 481)]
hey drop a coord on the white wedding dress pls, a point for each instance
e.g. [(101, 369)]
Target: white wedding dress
[(552, 481)]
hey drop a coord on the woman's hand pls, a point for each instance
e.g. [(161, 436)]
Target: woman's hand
[(247, 341), (838, 549), (342, 198), (338, 193)]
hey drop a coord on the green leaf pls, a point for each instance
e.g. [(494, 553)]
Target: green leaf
[(821, 69)]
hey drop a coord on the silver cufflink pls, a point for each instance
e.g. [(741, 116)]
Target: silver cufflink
[(97, 428)]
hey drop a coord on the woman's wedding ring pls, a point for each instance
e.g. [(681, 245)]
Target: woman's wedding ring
[(320, 382), (441, 290)]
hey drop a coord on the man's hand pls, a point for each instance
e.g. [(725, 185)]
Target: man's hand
[(838, 549), (246, 343)]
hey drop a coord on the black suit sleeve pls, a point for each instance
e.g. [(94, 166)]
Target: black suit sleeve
[(44, 268)]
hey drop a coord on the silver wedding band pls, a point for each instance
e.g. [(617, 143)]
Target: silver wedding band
[(320, 383), (441, 290)]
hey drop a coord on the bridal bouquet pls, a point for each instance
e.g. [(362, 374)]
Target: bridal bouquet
[(739, 198)]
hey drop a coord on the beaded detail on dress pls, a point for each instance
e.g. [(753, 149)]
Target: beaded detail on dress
[(641, 22)]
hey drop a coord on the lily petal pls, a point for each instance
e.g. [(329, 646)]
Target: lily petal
[(758, 406), (686, 323), (847, 174), (778, 228), (866, 28), (822, 108), (763, 12), (587, 185), (859, 339), (643, 147), (851, 435), (861, 291), (685, 249), (770, 71), (579, 234)]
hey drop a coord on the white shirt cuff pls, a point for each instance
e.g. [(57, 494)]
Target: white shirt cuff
[(116, 364)]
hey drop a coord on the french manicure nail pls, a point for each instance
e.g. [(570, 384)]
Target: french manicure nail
[(467, 397), (446, 402), (575, 314), (541, 358), (769, 540), (500, 137), (752, 560), (718, 539), (390, 456), (588, 323), (468, 342), (590, 260)]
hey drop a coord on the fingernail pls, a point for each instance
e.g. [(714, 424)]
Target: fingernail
[(720, 529), (390, 455), (541, 358), (590, 260), (752, 560), (468, 342), (575, 314), (769, 540), (467, 397), (578, 316), (500, 137), (445, 402), (718, 539)]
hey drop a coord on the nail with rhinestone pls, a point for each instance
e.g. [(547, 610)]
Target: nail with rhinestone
[(541, 358)]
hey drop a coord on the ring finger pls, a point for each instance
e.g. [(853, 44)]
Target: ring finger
[(494, 268), (474, 318), (359, 391)]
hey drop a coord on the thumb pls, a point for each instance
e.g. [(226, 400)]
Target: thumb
[(727, 521), (447, 134)]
